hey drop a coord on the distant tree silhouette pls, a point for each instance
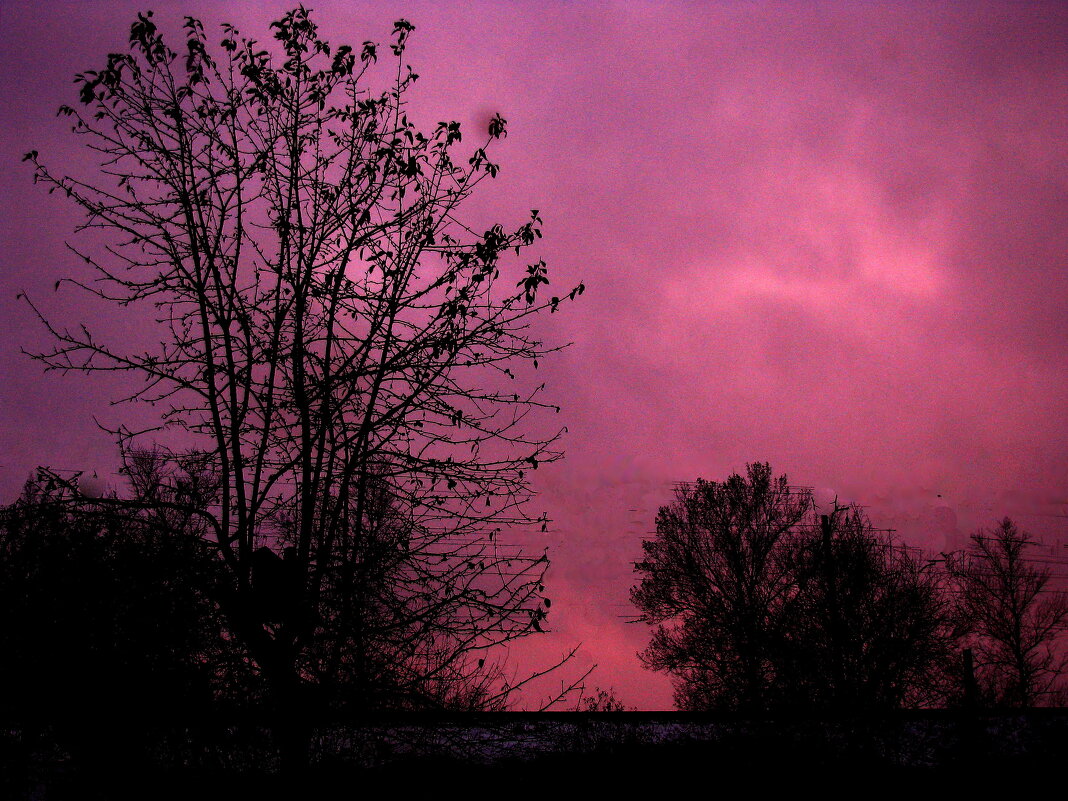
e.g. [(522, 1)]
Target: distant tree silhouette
[(868, 624), (602, 701), (714, 580), (763, 604), (1014, 619), (336, 342)]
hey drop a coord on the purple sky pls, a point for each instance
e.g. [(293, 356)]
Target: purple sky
[(828, 236)]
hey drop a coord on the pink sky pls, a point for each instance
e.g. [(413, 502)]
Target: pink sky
[(828, 236)]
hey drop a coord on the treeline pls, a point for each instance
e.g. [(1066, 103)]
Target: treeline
[(116, 609), (123, 608), (127, 642), (118, 644), (762, 603), (107, 615)]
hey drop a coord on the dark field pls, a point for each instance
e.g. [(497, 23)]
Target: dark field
[(487, 753)]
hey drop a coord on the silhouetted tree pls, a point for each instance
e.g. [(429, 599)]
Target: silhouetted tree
[(764, 604), (400, 609), (1013, 618), (714, 580), (336, 340), (869, 624)]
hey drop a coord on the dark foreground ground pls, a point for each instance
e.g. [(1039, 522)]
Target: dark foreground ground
[(664, 754)]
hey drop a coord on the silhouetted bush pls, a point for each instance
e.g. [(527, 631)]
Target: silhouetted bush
[(104, 616)]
